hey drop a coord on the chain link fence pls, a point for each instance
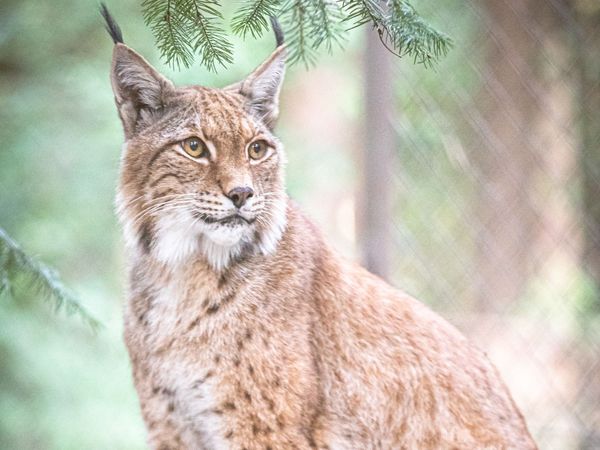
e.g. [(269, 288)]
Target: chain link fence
[(496, 211)]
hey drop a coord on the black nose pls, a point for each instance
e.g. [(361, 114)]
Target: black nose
[(239, 195)]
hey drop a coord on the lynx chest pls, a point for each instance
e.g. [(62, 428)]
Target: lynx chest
[(225, 360)]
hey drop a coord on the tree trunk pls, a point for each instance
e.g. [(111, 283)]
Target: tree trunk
[(375, 196), (588, 64), (587, 54), (504, 157)]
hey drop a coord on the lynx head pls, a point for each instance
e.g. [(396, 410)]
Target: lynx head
[(201, 171)]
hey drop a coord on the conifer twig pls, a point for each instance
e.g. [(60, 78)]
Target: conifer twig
[(253, 17), (44, 281), (185, 29)]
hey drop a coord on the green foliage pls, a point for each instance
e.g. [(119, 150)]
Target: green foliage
[(309, 24), (15, 264), (362, 12), (297, 25), (252, 17), (410, 35), (184, 28)]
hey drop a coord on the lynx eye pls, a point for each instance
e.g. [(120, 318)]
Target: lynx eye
[(195, 147), (258, 149)]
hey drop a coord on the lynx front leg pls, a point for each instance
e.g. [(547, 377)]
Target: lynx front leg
[(158, 412)]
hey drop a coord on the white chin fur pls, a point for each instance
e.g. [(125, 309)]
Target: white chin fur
[(175, 240), (278, 220), (179, 237)]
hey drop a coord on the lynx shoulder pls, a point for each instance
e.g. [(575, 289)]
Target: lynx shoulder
[(244, 329)]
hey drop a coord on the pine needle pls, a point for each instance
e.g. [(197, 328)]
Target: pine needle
[(185, 29), (44, 281), (253, 17), (326, 27), (411, 36), (297, 24), (362, 12)]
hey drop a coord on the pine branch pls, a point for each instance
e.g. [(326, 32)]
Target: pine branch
[(327, 18), (210, 38), (169, 31), (362, 12), (410, 35), (15, 263), (296, 19), (253, 17), (183, 28)]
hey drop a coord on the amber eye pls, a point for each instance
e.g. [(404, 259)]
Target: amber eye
[(257, 149), (195, 147)]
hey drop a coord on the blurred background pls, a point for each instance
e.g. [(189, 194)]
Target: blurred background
[(474, 186)]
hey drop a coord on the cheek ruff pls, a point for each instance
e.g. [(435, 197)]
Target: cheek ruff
[(181, 234)]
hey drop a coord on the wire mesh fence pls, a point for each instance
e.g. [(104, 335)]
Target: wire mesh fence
[(496, 213)]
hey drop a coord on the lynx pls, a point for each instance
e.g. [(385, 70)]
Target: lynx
[(245, 330)]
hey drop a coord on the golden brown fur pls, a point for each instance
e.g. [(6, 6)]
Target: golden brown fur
[(254, 334)]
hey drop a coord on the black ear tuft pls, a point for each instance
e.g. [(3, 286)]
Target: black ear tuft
[(111, 26), (277, 30)]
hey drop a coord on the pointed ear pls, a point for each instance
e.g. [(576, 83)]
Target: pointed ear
[(261, 88), (140, 91)]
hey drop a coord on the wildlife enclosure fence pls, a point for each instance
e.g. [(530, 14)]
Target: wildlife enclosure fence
[(493, 198)]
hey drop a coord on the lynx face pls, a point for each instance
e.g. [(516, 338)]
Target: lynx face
[(201, 173)]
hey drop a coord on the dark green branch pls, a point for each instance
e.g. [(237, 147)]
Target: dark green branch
[(253, 17), (185, 28), (45, 282)]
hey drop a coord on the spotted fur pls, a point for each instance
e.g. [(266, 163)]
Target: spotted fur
[(251, 332)]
